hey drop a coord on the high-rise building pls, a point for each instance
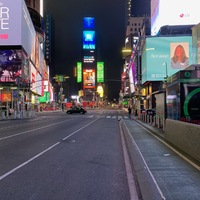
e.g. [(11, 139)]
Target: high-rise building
[(137, 8)]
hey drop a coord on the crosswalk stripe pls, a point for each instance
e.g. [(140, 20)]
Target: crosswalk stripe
[(90, 116), (109, 116)]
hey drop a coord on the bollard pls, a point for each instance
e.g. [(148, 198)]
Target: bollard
[(3, 115), (154, 120), (18, 115), (158, 122), (15, 115)]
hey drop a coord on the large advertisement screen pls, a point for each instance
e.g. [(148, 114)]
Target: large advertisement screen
[(79, 72), (165, 56), (10, 65), (88, 39), (10, 22), (88, 22), (100, 72), (36, 81), (173, 12), (16, 27), (88, 78)]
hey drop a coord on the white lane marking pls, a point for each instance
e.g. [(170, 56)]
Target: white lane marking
[(79, 129), (174, 150), (28, 161), (129, 173), (114, 117), (90, 116), (108, 116), (41, 153), (32, 130)]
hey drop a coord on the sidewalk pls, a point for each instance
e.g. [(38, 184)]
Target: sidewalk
[(160, 170), (15, 115)]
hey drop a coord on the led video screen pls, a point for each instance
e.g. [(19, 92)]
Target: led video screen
[(16, 27), (89, 78), (10, 65), (88, 22), (100, 72), (88, 39), (173, 12), (161, 56), (79, 72)]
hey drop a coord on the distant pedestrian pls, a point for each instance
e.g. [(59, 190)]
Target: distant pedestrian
[(129, 111), (63, 107)]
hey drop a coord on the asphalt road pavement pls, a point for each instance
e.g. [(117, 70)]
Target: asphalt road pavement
[(60, 156), (81, 157)]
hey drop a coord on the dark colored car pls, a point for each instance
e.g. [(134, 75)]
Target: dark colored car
[(76, 110)]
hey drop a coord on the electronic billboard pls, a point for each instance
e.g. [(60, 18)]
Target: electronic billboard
[(16, 27), (79, 72), (88, 40), (173, 13), (100, 72), (160, 57), (88, 78), (88, 22)]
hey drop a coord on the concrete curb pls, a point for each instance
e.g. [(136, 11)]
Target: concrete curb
[(148, 186)]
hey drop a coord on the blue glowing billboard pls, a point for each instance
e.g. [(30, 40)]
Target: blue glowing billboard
[(88, 39), (88, 22), (163, 56)]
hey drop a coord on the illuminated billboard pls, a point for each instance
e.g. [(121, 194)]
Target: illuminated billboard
[(37, 84), (79, 72), (173, 12), (45, 98), (16, 27), (89, 79), (88, 22), (10, 65), (100, 72), (88, 39), (161, 56)]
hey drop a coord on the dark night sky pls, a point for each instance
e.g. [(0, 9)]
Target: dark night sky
[(110, 33)]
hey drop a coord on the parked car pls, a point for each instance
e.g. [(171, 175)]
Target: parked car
[(76, 110)]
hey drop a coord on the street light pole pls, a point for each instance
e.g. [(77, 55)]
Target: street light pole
[(165, 64)]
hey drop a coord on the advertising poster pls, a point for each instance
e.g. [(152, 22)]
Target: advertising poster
[(173, 13), (89, 78), (37, 84), (16, 27), (10, 65), (165, 56), (100, 72), (88, 39), (88, 22), (10, 22), (79, 72)]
